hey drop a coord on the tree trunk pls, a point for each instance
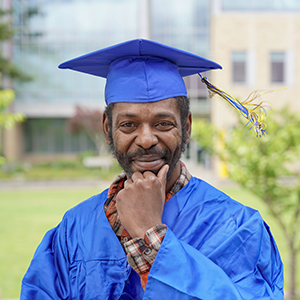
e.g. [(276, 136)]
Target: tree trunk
[(292, 279)]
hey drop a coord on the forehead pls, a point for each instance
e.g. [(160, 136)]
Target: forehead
[(167, 107)]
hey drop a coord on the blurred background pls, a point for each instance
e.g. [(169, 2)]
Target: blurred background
[(256, 42), (50, 124)]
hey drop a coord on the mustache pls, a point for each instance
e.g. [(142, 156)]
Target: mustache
[(151, 151)]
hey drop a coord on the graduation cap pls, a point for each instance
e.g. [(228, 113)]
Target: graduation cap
[(141, 70)]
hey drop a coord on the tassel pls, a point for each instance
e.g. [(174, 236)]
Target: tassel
[(255, 113)]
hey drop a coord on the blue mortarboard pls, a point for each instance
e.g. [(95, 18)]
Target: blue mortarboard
[(141, 70)]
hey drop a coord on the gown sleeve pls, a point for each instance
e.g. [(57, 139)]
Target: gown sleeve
[(246, 265), (47, 275)]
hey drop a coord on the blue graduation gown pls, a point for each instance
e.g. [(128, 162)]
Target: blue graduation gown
[(214, 248)]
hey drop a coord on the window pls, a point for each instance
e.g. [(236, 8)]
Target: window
[(50, 136), (239, 67), (277, 67), (198, 95), (196, 88), (262, 5)]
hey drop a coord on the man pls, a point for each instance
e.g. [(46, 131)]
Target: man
[(157, 232)]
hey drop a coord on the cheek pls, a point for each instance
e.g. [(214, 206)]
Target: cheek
[(172, 140), (123, 141)]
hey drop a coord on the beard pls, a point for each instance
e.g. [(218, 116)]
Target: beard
[(125, 159)]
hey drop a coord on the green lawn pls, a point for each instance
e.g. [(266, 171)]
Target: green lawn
[(25, 215)]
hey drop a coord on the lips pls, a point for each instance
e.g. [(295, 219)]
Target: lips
[(148, 162)]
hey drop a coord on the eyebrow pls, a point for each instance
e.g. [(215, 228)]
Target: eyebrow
[(127, 114), (159, 115), (164, 114)]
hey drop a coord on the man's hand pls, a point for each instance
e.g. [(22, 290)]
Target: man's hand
[(140, 204)]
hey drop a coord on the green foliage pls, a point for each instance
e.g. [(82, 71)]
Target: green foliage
[(6, 32), (10, 70), (7, 68), (206, 134), (7, 118), (267, 166)]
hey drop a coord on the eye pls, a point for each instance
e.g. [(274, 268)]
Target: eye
[(164, 125), (127, 127)]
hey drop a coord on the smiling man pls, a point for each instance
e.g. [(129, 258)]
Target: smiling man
[(157, 232)]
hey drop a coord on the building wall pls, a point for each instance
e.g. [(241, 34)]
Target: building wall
[(259, 33)]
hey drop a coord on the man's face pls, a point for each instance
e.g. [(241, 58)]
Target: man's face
[(146, 136)]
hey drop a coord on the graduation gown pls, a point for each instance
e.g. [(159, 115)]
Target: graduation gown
[(214, 248)]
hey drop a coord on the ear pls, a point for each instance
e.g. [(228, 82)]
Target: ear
[(188, 128), (105, 128)]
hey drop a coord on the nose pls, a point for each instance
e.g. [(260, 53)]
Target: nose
[(146, 137)]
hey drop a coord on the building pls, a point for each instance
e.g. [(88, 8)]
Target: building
[(52, 31)]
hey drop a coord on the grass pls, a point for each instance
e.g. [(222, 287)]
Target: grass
[(25, 216), (73, 169)]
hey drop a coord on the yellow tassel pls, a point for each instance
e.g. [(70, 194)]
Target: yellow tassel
[(255, 113)]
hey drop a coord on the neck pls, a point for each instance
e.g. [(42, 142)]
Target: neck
[(173, 176)]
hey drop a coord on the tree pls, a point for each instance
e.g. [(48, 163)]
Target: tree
[(89, 121), (7, 118), (10, 71), (7, 68), (267, 166)]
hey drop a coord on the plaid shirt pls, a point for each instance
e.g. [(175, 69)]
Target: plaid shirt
[(141, 252)]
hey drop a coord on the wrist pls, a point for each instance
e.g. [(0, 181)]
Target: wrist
[(141, 231)]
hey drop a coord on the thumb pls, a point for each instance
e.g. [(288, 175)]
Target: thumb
[(162, 176)]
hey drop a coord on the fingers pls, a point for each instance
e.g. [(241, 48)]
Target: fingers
[(162, 174), (136, 175), (127, 182)]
